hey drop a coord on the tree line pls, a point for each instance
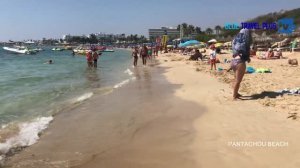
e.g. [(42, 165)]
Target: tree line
[(108, 39), (207, 34)]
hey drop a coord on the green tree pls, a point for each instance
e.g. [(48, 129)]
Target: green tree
[(198, 30), (185, 28), (204, 37), (218, 29), (93, 39), (190, 29), (209, 31)]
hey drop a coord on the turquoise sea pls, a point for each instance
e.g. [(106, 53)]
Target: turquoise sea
[(32, 91)]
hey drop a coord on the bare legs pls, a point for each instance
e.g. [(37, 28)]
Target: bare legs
[(135, 61), (144, 60), (239, 74), (213, 65), (90, 64)]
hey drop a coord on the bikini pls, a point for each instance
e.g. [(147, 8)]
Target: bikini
[(235, 62)]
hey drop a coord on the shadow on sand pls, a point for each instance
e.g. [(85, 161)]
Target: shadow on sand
[(262, 95)]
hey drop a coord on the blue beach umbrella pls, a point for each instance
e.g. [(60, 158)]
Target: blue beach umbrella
[(189, 43)]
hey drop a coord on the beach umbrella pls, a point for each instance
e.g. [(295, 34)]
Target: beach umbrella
[(189, 43), (212, 41)]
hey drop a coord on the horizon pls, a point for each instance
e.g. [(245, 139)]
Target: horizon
[(53, 19)]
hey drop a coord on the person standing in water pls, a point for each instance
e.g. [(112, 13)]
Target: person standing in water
[(135, 56), (150, 53), (95, 58), (241, 55), (144, 54), (89, 59)]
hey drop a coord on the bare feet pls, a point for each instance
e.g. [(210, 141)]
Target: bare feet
[(236, 99)]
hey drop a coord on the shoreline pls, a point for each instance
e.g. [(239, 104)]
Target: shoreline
[(187, 120), (131, 133), (25, 131)]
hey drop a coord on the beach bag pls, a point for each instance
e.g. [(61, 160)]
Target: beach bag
[(239, 44)]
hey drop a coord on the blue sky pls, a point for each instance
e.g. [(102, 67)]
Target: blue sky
[(35, 19)]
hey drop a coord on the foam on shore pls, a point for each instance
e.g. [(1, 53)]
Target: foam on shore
[(28, 134), (84, 97), (129, 72), (121, 83)]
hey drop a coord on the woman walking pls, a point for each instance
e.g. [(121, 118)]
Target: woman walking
[(135, 56), (144, 54)]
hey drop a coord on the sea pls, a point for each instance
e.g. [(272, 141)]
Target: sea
[(32, 91)]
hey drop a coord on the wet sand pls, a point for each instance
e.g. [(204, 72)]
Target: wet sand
[(139, 125)]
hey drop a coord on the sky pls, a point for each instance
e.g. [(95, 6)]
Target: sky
[(35, 19)]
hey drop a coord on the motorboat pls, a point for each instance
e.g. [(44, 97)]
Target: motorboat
[(57, 49), (19, 50), (108, 50)]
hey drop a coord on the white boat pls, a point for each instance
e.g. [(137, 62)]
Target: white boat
[(19, 50), (108, 50), (57, 49)]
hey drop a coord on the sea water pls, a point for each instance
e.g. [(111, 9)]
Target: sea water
[(31, 90)]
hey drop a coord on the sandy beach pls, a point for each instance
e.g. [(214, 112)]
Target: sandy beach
[(228, 122), (177, 114)]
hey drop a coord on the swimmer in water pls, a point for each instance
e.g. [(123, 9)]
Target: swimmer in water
[(49, 62)]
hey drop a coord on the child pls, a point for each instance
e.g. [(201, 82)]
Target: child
[(213, 58)]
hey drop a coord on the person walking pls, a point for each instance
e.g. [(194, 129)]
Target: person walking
[(135, 56), (144, 54)]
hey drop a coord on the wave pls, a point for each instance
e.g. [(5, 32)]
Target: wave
[(121, 83), (27, 135), (129, 72), (83, 97)]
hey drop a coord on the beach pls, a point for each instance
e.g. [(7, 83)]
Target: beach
[(177, 113), (240, 133)]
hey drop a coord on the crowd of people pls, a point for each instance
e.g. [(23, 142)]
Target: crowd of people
[(241, 54), (144, 53)]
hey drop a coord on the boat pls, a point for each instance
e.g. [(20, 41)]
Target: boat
[(57, 49), (68, 47), (81, 50), (108, 50), (37, 49), (19, 50)]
